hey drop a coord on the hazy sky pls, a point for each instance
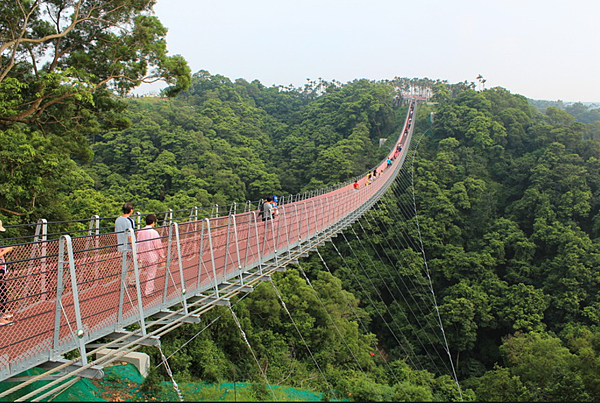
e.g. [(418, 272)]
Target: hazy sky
[(542, 49)]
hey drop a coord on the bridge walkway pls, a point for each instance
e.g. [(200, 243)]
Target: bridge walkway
[(71, 292)]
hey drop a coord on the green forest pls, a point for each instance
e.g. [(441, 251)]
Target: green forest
[(507, 194)]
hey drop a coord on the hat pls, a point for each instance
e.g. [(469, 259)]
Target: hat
[(2, 229)]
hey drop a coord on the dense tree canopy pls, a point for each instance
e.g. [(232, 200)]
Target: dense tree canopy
[(57, 56), (507, 201), (224, 141), (62, 65)]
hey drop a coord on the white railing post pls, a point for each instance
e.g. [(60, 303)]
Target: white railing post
[(237, 249), (180, 265), (65, 243), (168, 217), (283, 214), (227, 245), (94, 234), (212, 258), (136, 273), (40, 245), (137, 216), (258, 252), (200, 257)]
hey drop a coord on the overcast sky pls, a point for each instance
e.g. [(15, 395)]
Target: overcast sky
[(542, 49)]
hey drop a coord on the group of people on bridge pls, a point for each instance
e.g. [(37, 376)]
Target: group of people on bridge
[(150, 251), (267, 209)]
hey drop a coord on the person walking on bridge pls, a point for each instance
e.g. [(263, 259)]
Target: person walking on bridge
[(150, 251), (5, 317), (124, 241), (267, 209)]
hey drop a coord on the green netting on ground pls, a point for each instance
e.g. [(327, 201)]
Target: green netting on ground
[(124, 382), (120, 383), (4, 386), (83, 390)]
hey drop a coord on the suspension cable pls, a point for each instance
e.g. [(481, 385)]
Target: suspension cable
[(168, 368), (329, 316), (365, 328), (431, 288), (237, 322), (302, 337)]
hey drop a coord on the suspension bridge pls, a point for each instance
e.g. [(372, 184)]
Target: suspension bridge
[(69, 291)]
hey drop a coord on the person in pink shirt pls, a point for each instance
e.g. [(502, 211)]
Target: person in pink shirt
[(150, 251)]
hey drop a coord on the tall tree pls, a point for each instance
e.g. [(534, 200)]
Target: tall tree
[(58, 56), (63, 66)]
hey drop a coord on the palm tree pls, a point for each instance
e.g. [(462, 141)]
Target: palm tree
[(481, 81)]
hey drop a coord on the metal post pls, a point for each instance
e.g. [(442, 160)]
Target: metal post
[(179, 260), (55, 354), (248, 240), (138, 219), (326, 212), (321, 215), (258, 252), (306, 213), (237, 248), (227, 245), (94, 231), (65, 243), (298, 222), (275, 237), (138, 287), (168, 264), (40, 245), (194, 217), (168, 217), (123, 286), (315, 215), (283, 214), (94, 228), (212, 258), (194, 214), (200, 257), (80, 332)]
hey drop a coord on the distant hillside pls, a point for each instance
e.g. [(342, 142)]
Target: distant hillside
[(542, 105), (583, 112)]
